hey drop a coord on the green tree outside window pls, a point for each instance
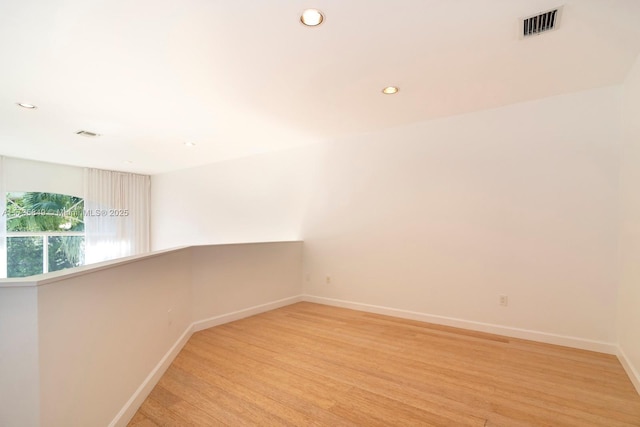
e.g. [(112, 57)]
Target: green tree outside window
[(45, 232)]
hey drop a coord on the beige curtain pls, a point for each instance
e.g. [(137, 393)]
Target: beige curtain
[(116, 214)]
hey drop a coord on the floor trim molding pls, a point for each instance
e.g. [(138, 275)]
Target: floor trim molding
[(584, 344), (634, 376), (241, 314), (133, 404), (129, 409)]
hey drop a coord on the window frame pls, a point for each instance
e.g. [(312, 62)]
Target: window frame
[(45, 242), (44, 235)]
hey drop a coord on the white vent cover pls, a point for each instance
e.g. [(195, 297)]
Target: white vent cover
[(541, 22), (87, 133)]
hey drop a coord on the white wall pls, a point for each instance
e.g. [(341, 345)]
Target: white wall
[(103, 332), (444, 216), (438, 217), (19, 384), (84, 347), (228, 278), (629, 299), (253, 199), (29, 175)]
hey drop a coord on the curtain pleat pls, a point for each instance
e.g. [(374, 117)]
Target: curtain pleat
[(116, 214)]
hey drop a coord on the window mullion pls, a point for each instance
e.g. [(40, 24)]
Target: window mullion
[(45, 253)]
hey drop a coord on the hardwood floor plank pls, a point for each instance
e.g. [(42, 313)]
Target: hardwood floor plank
[(255, 406), (313, 365), (201, 395), (475, 373), (317, 392), (161, 415), (140, 420)]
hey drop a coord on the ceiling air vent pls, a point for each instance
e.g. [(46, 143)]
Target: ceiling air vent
[(87, 133), (540, 23)]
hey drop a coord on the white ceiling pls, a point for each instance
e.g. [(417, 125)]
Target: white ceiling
[(239, 77)]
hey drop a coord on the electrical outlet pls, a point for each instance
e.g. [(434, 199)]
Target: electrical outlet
[(328, 280), (504, 300)]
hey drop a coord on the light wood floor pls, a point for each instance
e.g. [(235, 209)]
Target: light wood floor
[(309, 364)]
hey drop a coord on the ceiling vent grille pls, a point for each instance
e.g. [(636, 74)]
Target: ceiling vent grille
[(87, 133), (540, 23)]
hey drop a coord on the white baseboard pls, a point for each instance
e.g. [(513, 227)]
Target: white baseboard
[(133, 404), (584, 344), (634, 376), (129, 409), (240, 314)]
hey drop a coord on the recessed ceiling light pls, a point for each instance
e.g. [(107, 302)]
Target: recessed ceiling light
[(312, 17), (26, 105), (189, 144), (390, 90)]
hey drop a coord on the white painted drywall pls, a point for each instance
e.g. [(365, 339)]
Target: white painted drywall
[(629, 292), (103, 332), (228, 278), (439, 217), (82, 347), (255, 199), (445, 216), (19, 381), (29, 175)]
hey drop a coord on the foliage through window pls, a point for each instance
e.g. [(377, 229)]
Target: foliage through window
[(45, 232)]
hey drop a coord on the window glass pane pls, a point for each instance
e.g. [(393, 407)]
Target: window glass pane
[(65, 252), (33, 212), (24, 256), (30, 218)]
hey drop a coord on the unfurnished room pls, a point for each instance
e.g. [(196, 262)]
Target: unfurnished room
[(319, 213)]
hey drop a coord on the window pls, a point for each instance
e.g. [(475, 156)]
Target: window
[(45, 232)]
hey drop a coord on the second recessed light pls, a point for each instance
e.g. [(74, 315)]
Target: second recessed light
[(312, 17), (390, 90)]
